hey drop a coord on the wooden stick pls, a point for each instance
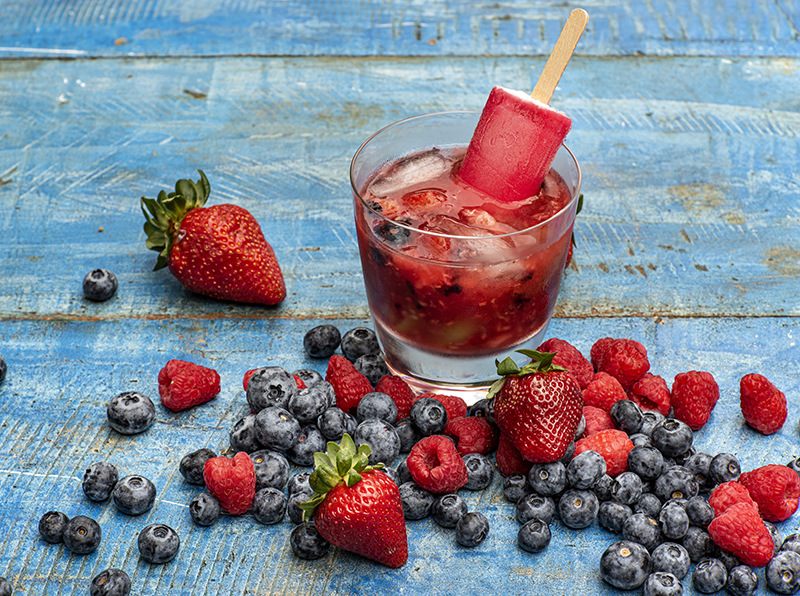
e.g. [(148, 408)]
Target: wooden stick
[(562, 52)]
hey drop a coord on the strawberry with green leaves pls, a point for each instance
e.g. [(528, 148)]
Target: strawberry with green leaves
[(538, 407), (217, 251), (356, 506)]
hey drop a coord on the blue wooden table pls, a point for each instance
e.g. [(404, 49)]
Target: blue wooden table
[(685, 121)]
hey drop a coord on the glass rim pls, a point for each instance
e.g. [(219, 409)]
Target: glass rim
[(363, 201)]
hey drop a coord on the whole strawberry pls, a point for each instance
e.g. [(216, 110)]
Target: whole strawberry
[(538, 408), (232, 480), (217, 251), (184, 384), (763, 404), (356, 506)]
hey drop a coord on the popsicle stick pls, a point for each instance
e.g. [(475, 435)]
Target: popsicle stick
[(562, 52)]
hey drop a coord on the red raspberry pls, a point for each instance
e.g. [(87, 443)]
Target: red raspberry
[(763, 404), (651, 393), (775, 489), (509, 459), (741, 531), (349, 385), (472, 434), (597, 419), (613, 445), (694, 395), (232, 481), (624, 359), (598, 350), (603, 392), (455, 406), (569, 357), (400, 392), (727, 494), (436, 465), (185, 384)]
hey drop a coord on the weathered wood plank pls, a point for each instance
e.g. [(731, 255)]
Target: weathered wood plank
[(689, 175), (111, 28)]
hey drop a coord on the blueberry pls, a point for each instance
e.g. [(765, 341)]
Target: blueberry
[(158, 543), (131, 413), (276, 428), (99, 480), (359, 341), (585, 469), (52, 525), (775, 533), (3, 369), (403, 474), (307, 543), (794, 464), (674, 521), (515, 486), (782, 573), (377, 405), (535, 506), (642, 529), (627, 488), (308, 404), (243, 435), (625, 565), (627, 416), (134, 495), (271, 468), (308, 376), (472, 529), (640, 440), (270, 386), (548, 479), (742, 581), (649, 504), (698, 464), (676, 482), (334, 422), (580, 429), (392, 234), (110, 582), (660, 583), (602, 488), (791, 542), (578, 508), (724, 467), (322, 341), (309, 442), (293, 508), (612, 515), (193, 464), (373, 367), (672, 437), (269, 506), (5, 587), (82, 535), (204, 509), (407, 433), (382, 439), (728, 558), (99, 285), (448, 509), (392, 474), (534, 535), (298, 483), (417, 501), (697, 543), (479, 408), (568, 454), (649, 420), (480, 471), (429, 416), (709, 576), (671, 557), (646, 461)]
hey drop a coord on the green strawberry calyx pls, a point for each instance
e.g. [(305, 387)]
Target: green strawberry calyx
[(341, 464), (541, 362), (165, 213)]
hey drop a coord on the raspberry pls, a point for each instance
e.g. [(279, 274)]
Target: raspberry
[(694, 395), (569, 357), (232, 481), (603, 392), (775, 489), (727, 494), (509, 459), (400, 392), (624, 359), (349, 385), (597, 419), (613, 445), (763, 404), (472, 434), (455, 406), (741, 531), (185, 384), (651, 393), (436, 465)]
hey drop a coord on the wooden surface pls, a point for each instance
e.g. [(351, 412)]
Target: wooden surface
[(685, 122)]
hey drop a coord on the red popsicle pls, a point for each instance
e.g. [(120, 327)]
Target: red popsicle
[(517, 135)]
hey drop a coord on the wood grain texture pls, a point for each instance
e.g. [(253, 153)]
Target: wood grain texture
[(115, 28)]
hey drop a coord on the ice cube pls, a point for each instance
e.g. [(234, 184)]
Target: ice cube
[(464, 247), (412, 170)]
